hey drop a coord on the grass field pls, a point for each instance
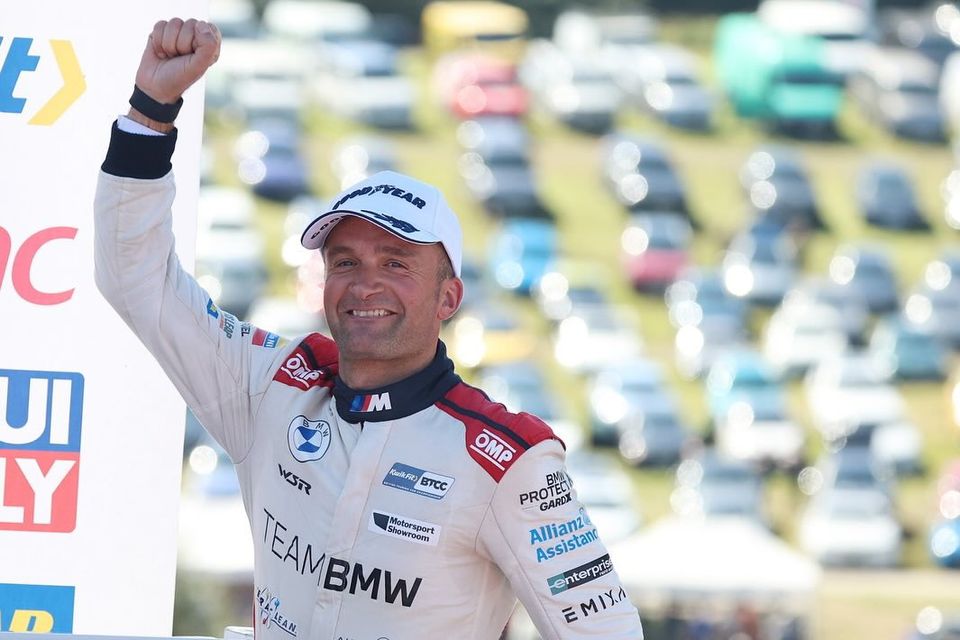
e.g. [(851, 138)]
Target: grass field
[(849, 604)]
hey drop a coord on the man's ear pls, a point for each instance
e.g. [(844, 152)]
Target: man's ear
[(451, 295)]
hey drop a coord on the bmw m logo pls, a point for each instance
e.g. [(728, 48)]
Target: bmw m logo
[(308, 439)]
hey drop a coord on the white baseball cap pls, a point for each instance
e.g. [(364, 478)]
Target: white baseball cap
[(408, 208)]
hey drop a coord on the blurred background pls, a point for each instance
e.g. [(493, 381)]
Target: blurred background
[(712, 243)]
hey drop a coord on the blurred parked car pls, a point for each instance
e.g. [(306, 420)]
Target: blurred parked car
[(935, 311), (852, 527), (360, 80), (655, 249), (846, 301), (765, 437), (760, 271), (359, 157), (591, 338), (488, 335), (775, 181), (654, 438), (473, 84), (230, 261), (742, 376), (521, 252), (567, 289), (944, 544), (850, 389), (800, 335), (921, 29), (711, 485), (664, 80), (867, 269), (898, 89), (621, 391), (905, 351), (886, 197), (640, 174), (270, 160)]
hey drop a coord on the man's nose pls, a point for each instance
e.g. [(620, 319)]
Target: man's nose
[(366, 282)]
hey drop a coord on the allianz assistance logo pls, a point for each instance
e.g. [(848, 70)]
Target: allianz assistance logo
[(40, 421), (23, 56)]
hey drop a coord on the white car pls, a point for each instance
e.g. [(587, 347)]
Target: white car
[(849, 390), (799, 336), (595, 337), (852, 527), (760, 436)]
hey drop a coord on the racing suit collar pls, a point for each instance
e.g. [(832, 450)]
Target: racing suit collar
[(400, 399)]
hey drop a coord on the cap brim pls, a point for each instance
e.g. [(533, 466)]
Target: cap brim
[(315, 235)]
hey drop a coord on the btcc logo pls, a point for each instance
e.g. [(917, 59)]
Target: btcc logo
[(18, 60), (493, 448), (425, 483)]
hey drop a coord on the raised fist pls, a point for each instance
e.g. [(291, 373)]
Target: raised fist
[(177, 54)]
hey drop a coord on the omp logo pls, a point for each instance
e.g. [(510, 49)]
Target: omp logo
[(296, 370), (36, 608), (40, 422), (493, 448), (24, 55)]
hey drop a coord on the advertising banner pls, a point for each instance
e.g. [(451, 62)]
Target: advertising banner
[(91, 431)]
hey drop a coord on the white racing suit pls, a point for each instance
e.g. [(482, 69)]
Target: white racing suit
[(419, 511)]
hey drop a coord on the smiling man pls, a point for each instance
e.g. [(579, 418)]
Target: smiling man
[(386, 497)]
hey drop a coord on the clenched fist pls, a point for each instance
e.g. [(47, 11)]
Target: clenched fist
[(177, 54)]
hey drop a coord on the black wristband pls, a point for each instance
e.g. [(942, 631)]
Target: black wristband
[(154, 110)]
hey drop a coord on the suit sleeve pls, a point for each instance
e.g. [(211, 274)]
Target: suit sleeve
[(542, 539), (206, 352)]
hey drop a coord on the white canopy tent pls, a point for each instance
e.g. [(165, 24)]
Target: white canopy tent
[(688, 560)]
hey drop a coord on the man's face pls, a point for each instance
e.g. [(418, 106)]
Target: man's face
[(382, 295)]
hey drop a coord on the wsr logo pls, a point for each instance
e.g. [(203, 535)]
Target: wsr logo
[(18, 60), (36, 608), (40, 422)]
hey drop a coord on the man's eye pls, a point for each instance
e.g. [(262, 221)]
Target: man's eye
[(395, 264)]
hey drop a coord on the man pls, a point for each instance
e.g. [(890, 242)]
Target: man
[(386, 498)]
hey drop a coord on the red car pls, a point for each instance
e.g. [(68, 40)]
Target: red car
[(655, 249), (474, 85)]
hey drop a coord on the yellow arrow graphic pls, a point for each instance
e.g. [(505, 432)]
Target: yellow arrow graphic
[(73, 84)]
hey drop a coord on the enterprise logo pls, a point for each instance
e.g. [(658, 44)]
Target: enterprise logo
[(580, 575)]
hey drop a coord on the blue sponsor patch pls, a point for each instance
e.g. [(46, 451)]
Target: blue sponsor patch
[(423, 483), (212, 309), (36, 608)]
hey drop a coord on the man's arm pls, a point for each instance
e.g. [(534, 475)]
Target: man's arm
[(206, 352), (544, 542)]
